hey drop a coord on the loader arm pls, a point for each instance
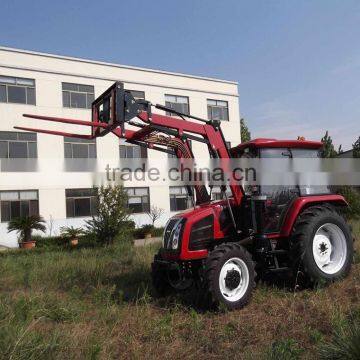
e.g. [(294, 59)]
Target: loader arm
[(116, 107)]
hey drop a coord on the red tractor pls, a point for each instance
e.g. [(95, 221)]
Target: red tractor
[(221, 246)]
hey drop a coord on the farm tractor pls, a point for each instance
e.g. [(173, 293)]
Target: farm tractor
[(223, 246)]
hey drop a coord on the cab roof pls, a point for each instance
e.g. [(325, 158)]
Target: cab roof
[(273, 143)]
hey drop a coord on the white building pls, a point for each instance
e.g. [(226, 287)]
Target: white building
[(52, 85)]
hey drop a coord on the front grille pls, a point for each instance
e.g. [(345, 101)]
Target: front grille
[(167, 232), (202, 233)]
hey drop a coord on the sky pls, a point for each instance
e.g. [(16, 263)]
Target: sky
[(297, 62)]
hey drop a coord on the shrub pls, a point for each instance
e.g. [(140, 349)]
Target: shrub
[(71, 232), (112, 216), (352, 196)]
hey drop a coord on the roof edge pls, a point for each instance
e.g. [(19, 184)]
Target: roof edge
[(95, 62)]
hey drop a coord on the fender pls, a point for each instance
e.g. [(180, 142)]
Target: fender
[(301, 203)]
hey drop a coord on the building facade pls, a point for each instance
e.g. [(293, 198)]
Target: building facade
[(59, 86)]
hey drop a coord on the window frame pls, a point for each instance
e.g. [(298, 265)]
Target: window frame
[(19, 200), (168, 113), (211, 106), (91, 197), (188, 198), (18, 140), (143, 210), (16, 85), (86, 93), (82, 142)]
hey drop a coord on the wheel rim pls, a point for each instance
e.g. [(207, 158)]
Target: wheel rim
[(329, 248), (234, 279)]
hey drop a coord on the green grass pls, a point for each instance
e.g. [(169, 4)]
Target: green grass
[(97, 303)]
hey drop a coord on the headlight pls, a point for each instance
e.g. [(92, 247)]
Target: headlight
[(175, 235)]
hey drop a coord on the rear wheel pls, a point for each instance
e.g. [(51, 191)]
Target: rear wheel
[(230, 275), (321, 245)]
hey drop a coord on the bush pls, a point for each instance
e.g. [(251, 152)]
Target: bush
[(352, 196), (113, 215)]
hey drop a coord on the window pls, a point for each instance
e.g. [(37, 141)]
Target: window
[(14, 145), (177, 103), (18, 203), (228, 144), (129, 151), (179, 198), (79, 148), (77, 96), (217, 110), (138, 199), (137, 94), (81, 202), (216, 193), (17, 90)]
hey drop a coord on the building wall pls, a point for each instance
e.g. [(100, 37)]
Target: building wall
[(49, 71)]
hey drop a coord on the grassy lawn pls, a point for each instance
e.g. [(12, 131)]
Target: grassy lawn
[(98, 303)]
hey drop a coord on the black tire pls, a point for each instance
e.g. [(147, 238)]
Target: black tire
[(306, 271), (214, 264), (159, 278)]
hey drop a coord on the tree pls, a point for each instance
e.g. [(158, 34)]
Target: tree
[(25, 225), (244, 131), (328, 150), (112, 215), (154, 214), (356, 148)]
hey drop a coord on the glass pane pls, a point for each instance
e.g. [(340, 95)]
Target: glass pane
[(209, 112), (17, 94), (70, 208), (129, 152), (122, 151), (9, 195), (141, 191), (5, 211), (3, 93), (34, 207), (80, 151), (66, 99), (90, 99), (211, 102), (7, 80), (172, 203), (86, 88), (18, 150), (93, 204), (8, 135), (15, 209), (134, 200), (136, 152), (222, 103), (32, 147), (68, 86), (30, 96), (92, 151), (175, 190), (27, 82), (182, 100), (67, 151), (82, 207), (78, 100), (216, 113), (4, 150), (28, 195), (24, 208), (138, 94), (130, 191), (170, 98), (27, 136)]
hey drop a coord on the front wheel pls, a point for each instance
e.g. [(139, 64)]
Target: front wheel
[(230, 275)]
